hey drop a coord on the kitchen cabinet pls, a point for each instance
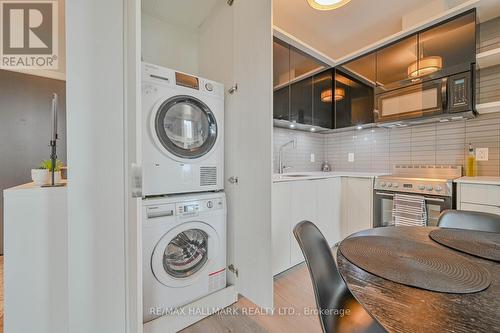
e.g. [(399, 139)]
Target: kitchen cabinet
[(353, 101), (322, 202), (479, 197), (393, 62), (329, 208), (301, 103), (452, 44), (281, 219), (303, 207), (357, 205), (322, 100), (281, 104)]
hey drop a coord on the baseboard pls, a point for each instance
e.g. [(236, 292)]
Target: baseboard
[(193, 312)]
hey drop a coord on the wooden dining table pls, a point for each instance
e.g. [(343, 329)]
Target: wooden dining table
[(401, 308)]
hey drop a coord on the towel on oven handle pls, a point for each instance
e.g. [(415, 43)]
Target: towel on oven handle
[(409, 210)]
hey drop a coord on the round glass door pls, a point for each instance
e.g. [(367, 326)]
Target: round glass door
[(186, 253), (186, 127)]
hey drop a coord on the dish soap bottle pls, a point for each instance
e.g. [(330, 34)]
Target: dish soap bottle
[(471, 167)]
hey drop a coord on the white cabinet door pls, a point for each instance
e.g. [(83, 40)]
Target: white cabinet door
[(480, 208), (281, 236), (357, 205), (329, 208), (304, 207)]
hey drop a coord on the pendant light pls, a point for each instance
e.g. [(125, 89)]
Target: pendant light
[(327, 4)]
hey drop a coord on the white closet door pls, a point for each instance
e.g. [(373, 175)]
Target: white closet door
[(250, 148), (236, 48)]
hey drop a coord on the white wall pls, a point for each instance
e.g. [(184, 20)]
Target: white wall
[(158, 39), (96, 157)]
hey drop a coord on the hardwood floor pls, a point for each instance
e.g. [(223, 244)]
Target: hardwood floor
[(294, 307), (293, 298)]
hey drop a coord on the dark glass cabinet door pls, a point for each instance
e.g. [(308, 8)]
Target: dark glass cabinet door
[(301, 101), (393, 63), (281, 104), (323, 100), (353, 101), (449, 47)]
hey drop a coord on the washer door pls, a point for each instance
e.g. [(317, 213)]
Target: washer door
[(184, 254), (185, 127)]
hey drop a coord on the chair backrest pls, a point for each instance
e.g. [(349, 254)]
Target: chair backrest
[(462, 219), (326, 280)]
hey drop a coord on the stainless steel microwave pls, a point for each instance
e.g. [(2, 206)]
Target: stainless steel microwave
[(446, 96)]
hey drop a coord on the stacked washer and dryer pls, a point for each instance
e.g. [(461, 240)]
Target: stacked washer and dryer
[(184, 208)]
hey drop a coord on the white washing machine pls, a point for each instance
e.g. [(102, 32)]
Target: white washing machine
[(184, 250), (182, 132)]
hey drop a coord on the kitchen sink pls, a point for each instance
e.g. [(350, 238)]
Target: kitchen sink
[(295, 176)]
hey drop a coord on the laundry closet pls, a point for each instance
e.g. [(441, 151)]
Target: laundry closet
[(206, 152)]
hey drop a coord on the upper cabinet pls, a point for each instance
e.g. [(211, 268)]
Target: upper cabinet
[(307, 93), (298, 88), (353, 100), (323, 115), (451, 45)]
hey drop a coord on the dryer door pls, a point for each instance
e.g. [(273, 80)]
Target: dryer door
[(185, 127), (185, 254)]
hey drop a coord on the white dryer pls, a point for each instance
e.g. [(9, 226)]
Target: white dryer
[(182, 132), (184, 250)]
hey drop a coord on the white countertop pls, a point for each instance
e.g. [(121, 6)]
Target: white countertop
[(479, 180), (32, 188), (297, 176)]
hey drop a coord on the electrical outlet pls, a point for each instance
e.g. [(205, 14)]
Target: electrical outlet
[(482, 154), (313, 158), (350, 157)]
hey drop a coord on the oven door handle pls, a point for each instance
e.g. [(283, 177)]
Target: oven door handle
[(425, 198), (444, 94)]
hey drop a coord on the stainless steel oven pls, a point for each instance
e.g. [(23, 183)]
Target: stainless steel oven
[(448, 95), (383, 206), (434, 183)]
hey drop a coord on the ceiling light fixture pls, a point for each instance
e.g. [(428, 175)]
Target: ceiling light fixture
[(424, 66), (326, 95), (327, 4)]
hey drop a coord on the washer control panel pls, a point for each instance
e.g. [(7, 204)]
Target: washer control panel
[(187, 209)]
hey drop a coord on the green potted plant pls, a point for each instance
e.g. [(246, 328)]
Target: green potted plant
[(42, 175)]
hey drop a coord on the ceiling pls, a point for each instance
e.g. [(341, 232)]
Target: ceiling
[(339, 32), (186, 13)]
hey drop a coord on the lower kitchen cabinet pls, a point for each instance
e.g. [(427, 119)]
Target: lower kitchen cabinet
[(479, 197), (280, 227), (357, 205), (333, 204)]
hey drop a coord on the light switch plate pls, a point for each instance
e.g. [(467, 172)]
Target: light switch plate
[(350, 157), (482, 154), (313, 158)]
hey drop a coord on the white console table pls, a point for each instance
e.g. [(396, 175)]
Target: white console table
[(35, 259)]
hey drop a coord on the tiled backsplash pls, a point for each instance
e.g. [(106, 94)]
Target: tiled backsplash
[(378, 149), (299, 158)]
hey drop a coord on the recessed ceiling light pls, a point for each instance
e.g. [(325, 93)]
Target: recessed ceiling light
[(327, 4)]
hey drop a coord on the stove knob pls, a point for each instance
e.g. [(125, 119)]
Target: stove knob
[(439, 188), (429, 188), (389, 185), (421, 187), (382, 184), (210, 204), (395, 185)]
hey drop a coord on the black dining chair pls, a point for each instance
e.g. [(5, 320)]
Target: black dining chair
[(330, 290), (462, 219)]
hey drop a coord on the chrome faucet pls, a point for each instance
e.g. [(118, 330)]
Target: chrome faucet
[(281, 167)]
